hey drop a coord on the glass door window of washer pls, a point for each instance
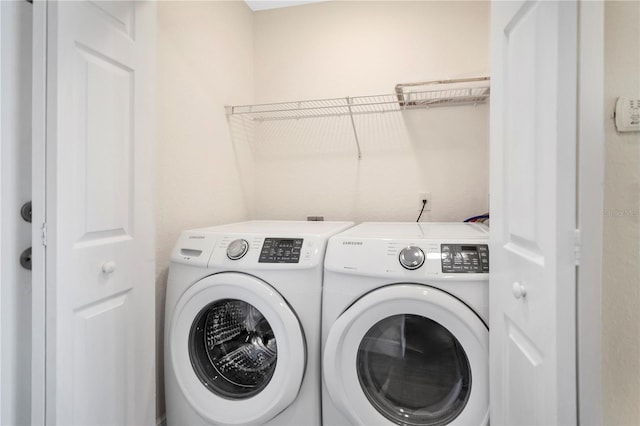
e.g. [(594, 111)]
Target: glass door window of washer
[(233, 349)]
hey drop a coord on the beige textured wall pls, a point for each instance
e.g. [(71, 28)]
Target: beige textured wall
[(205, 61), (351, 48), (621, 266), (341, 48)]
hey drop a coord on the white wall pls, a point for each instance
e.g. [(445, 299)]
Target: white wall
[(621, 264), (205, 61), (15, 345), (349, 48)]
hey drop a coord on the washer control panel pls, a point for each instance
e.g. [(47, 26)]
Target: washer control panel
[(411, 257), (281, 250), (464, 258), (237, 248)]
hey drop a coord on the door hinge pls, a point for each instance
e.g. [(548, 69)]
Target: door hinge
[(576, 245), (43, 228)]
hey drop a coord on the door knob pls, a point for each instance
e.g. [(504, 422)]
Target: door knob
[(25, 211), (108, 267), (25, 259), (519, 291)]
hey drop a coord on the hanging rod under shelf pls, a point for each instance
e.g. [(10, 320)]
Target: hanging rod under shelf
[(441, 93)]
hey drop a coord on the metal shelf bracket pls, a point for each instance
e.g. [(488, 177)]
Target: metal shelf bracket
[(355, 131)]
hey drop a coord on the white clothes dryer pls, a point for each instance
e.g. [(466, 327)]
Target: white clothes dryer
[(242, 328), (404, 325)]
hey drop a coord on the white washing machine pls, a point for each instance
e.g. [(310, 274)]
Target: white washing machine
[(242, 329), (404, 325)]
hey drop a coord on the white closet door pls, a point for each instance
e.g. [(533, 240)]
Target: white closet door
[(533, 209), (100, 289)]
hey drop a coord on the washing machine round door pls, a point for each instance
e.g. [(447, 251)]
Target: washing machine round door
[(237, 349), (409, 354)]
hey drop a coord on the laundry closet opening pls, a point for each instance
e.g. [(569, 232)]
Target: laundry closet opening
[(215, 169)]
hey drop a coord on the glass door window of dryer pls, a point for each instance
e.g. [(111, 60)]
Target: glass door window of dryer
[(414, 371), (232, 349)]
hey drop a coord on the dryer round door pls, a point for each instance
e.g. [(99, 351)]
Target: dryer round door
[(409, 354), (237, 349)]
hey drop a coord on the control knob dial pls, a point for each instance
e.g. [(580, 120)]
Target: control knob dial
[(411, 257), (237, 248)]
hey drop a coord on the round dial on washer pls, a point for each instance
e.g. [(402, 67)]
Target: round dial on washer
[(237, 249), (411, 257)]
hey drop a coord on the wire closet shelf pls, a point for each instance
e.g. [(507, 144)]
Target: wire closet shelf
[(408, 96)]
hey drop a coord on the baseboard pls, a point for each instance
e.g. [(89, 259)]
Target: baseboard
[(162, 421)]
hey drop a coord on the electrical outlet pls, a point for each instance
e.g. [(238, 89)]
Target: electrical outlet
[(425, 196)]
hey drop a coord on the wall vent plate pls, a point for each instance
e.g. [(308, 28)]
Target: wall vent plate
[(628, 114)]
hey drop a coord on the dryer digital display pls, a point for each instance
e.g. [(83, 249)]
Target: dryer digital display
[(280, 250), (464, 258)]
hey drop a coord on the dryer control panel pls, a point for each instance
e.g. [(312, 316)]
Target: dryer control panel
[(464, 258)]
